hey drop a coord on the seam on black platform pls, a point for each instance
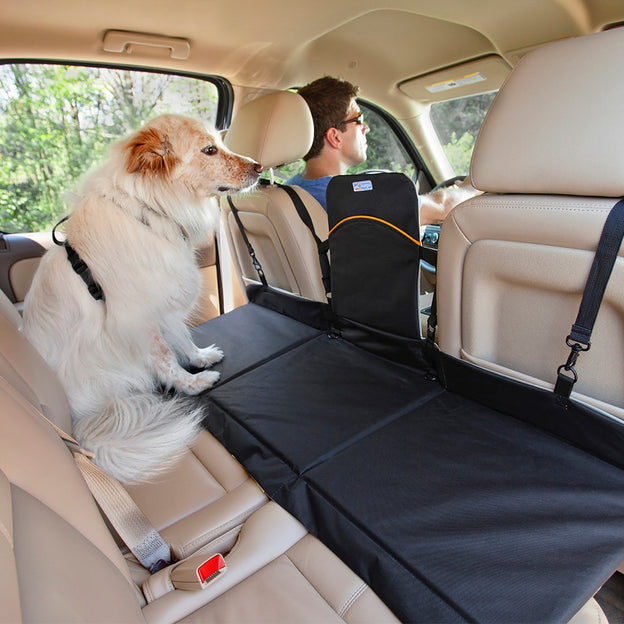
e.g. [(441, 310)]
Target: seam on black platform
[(269, 358), (374, 428)]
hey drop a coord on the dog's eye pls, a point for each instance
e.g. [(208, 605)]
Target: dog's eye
[(209, 150)]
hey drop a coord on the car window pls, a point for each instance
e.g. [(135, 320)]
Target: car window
[(457, 123), (56, 121), (386, 150)]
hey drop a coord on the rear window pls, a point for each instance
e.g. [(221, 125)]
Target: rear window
[(457, 123), (56, 121)]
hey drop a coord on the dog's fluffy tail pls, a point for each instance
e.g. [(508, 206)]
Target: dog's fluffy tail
[(139, 436)]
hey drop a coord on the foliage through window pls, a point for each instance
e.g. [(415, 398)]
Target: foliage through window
[(384, 151), (56, 122), (457, 123)]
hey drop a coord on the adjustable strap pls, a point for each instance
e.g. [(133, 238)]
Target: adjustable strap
[(118, 506), (432, 321), (250, 249), (79, 265), (322, 246), (579, 338)]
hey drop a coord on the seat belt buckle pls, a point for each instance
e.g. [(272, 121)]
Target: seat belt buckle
[(198, 571)]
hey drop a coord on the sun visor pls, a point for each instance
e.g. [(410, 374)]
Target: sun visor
[(478, 76)]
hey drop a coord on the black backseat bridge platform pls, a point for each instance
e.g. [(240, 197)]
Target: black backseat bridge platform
[(452, 510)]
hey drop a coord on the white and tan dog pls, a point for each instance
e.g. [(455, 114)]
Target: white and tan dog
[(135, 225)]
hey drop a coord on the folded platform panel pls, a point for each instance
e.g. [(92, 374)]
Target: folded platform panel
[(250, 335), (451, 510)]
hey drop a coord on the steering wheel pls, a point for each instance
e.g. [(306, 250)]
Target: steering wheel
[(449, 182)]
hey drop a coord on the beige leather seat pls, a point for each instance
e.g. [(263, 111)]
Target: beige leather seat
[(59, 563), (209, 499), (275, 130), (513, 262), (206, 495)]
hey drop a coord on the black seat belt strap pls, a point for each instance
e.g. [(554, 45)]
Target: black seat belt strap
[(322, 246), (250, 249), (432, 321), (579, 338)]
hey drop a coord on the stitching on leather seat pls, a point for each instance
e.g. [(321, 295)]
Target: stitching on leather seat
[(351, 600)]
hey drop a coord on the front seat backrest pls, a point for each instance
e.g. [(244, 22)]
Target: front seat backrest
[(275, 130), (513, 263)]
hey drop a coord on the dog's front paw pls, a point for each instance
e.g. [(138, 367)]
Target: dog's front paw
[(195, 384), (208, 356)]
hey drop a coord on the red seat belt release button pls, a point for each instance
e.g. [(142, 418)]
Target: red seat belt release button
[(212, 568), (198, 571)]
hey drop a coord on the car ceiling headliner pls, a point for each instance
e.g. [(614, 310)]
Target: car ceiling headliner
[(376, 44)]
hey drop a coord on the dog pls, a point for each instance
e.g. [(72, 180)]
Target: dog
[(116, 331)]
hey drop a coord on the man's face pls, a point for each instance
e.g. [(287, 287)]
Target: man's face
[(354, 136)]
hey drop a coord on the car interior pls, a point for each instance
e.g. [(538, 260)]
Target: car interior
[(405, 427)]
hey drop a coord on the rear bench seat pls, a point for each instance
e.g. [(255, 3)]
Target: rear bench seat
[(60, 563), (206, 495)]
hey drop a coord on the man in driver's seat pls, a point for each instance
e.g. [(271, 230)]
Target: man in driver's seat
[(340, 142)]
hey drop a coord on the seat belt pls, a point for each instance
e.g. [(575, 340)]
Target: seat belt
[(250, 249), (145, 543), (579, 338), (304, 215), (322, 246)]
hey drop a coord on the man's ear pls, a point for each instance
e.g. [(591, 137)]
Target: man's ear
[(150, 152), (334, 137)]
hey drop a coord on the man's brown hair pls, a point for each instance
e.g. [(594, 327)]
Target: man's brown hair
[(329, 100)]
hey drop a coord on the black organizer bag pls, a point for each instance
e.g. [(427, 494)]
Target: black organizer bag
[(374, 245)]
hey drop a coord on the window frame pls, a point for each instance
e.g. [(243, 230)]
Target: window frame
[(402, 136), (224, 88)]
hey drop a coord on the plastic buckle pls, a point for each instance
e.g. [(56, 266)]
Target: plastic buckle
[(575, 350), (198, 571), (564, 384), (577, 346)]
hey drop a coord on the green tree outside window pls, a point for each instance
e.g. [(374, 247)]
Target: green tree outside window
[(57, 121)]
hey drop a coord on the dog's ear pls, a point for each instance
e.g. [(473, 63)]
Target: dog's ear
[(150, 152)]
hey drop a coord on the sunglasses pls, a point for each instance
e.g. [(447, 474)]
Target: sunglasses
[(359, 120)]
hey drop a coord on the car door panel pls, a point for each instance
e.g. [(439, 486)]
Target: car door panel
[(19, 258)]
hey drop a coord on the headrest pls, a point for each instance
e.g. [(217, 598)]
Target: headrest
[(275, 129), (557, 124)]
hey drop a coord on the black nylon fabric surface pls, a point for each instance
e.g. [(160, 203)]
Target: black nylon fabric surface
[(249, 335), (504, 524), (318, 380), (451, 510)]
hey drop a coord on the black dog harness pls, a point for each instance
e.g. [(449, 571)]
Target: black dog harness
[(79, 265)]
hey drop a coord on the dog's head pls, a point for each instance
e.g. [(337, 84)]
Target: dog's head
[(174, 148)]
